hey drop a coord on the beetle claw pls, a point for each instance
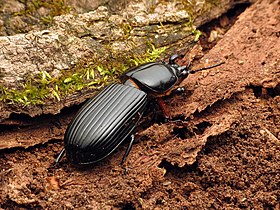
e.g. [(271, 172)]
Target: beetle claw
[(125, 169)]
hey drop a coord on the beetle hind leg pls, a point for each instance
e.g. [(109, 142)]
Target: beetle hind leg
[(127, 150), (61, 154)]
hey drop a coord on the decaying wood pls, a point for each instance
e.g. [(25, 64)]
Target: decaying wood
[(96, 35)]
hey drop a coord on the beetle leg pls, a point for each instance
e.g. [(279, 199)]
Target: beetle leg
[(127, 151), (179, 90), (173, 58), (189, 64), (163, 107), (61, 154)]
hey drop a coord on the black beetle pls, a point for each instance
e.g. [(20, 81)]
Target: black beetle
[(107, 119)]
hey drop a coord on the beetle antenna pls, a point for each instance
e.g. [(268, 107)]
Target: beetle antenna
[(204, 68)]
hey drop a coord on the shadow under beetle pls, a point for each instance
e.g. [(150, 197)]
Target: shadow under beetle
[(108, 118)]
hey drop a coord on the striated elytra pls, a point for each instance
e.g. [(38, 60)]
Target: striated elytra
[(110, 117)]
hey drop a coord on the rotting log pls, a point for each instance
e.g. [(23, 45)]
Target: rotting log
[(97, 37)]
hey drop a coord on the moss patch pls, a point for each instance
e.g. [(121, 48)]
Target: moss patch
[(35, 90)]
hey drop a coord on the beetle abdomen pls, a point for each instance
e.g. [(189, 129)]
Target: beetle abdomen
[(103, 123)]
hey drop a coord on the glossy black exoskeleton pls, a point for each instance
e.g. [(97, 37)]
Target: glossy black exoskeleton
[(110, 117)]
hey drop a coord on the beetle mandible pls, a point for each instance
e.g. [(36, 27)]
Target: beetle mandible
[(110, 117)]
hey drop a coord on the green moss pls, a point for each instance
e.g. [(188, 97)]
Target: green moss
[(127, 28), (151, 55), (38, 89), (197, 33)]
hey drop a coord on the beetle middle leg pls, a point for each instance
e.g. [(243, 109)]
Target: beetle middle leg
[(164, 109)]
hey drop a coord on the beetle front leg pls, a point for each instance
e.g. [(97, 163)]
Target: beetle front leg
[(173, 58)]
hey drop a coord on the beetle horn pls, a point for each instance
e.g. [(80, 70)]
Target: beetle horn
[(204, 68)]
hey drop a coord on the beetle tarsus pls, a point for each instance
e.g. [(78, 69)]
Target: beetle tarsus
[(125, 169)]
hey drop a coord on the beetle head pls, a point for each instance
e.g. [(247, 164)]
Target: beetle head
[(182, 72)]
